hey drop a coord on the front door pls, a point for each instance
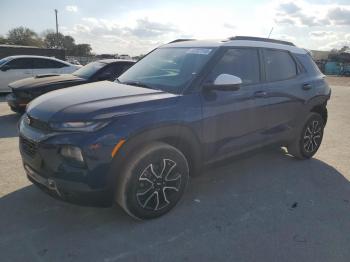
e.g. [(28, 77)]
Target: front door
[(234, 121), (18, 68)]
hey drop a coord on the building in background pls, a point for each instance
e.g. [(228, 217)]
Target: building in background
[(10, 50)]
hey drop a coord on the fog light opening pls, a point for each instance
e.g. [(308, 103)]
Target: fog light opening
[(72, 153)]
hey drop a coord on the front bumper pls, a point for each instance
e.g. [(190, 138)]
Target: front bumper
[(44, 165), (16, 104), (73, 192)]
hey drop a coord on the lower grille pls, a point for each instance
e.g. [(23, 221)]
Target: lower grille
[(27, 146)]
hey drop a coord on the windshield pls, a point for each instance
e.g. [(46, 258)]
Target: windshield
[(89, 70), (3, 61), (167, 69)]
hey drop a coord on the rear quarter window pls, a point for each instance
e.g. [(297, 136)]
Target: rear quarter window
[(308, 64), (279, 65)]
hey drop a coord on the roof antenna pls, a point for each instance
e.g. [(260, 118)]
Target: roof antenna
[(270, 32)]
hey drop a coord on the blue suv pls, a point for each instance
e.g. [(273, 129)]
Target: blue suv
[(136, 141)]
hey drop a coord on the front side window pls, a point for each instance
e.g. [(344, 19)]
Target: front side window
[(279, 65), (3, 61), (170, 69), (20, 63), (241, 62)]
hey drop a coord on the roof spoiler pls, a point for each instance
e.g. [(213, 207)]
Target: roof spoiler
[(262, 39), (181, 40)]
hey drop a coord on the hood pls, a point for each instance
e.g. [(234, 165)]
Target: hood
[(97, 100), (45, 80)]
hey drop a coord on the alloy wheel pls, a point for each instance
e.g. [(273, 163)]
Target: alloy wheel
[(158, 185), (312, 136)]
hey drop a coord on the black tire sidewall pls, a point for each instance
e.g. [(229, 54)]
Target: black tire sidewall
[(134, 172)]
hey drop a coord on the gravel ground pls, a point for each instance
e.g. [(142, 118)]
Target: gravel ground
[(264, 206)]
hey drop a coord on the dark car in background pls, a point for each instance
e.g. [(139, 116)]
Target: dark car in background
[(25, 90)]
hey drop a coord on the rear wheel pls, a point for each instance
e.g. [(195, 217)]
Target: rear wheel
[(153, 181), (309, 139)]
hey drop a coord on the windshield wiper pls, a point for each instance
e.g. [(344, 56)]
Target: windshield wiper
[(136, 83)]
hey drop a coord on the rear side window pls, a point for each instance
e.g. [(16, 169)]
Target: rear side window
[(308, 64), (20, 63), (241, 62), (279, 65), (46, 63)]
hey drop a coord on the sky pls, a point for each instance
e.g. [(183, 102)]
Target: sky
[(135, 27)]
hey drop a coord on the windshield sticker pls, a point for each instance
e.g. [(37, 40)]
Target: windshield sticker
[(199, 51)]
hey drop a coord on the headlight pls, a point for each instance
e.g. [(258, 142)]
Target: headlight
[(89, 126), (72, 153)]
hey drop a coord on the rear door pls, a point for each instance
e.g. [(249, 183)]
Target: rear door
[(283, 82), (235, 120), (18, 68), (47, 66)]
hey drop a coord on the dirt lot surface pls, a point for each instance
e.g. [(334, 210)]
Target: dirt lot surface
[(265, 206)]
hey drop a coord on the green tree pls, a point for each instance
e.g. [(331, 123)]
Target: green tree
[(82, 50), (23, 36), (52, 40), (343, 49), (3, 40), (68, 43), (62, 41)]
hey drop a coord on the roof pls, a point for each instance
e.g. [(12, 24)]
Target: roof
[(33, 56), (235, 42), (36, 56), (108, 61)]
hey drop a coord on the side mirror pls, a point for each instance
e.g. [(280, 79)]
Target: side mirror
[(226, 82), (4, 68)]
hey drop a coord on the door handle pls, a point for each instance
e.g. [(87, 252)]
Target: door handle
[(260, 94), (307, 86)]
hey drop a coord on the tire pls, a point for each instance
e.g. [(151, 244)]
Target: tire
[(309, 138), (152, 181)]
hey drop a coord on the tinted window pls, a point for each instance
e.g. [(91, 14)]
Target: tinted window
[(115, 70), (279, 65), (89, 70), (3, 61), (46, 63), (20, 63), (241, 62)]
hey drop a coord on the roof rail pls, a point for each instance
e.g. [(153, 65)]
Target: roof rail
[(253, 38), (181, 40)]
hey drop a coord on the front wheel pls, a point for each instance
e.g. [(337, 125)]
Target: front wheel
[(152, 181), (309, 139)]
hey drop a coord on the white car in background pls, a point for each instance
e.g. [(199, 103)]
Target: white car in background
[(13, 68)]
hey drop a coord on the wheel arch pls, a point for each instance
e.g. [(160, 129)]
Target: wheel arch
[(322, 110), (319, 105), (178, 136)]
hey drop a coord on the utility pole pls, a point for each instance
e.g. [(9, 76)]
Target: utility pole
[(56, 27)]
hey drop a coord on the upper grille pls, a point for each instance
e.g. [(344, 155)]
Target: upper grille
[(27, 146)]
